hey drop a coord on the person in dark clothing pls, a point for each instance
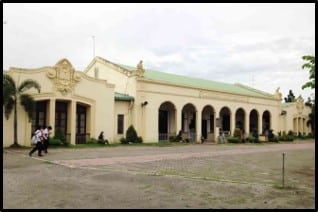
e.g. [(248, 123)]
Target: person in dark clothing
[(46, 136), (39, 143)]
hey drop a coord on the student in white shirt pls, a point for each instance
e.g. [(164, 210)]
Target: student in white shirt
[(39, 143)]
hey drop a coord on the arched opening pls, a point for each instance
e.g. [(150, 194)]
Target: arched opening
[(254, 121), (240, 119), (207, 123), (189, 121), (166, 118), (266, 122), (225, 120)]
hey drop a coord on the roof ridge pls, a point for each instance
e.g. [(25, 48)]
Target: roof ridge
[(253, 89), (200, 83)]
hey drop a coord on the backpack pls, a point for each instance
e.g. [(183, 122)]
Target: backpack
[(33, 140)]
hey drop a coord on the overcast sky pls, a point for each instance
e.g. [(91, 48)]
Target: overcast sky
[(259, 45)]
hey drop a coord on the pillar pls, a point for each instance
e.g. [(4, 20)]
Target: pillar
[(71, 125), (232, 123), (247, 123), (51, 116), (260, 124)]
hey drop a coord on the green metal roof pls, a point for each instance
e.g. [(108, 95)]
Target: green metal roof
[(123, 97), (199, 83)]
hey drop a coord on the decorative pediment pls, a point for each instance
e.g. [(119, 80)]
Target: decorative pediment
[(64, 76)]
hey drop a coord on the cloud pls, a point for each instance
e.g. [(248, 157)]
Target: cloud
[(253, 44)]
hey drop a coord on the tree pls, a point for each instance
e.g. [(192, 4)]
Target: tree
[(290, 97), (131, 135), (310, 64), (12, 94)]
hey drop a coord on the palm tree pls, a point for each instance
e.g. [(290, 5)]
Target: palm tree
[(11, 94)]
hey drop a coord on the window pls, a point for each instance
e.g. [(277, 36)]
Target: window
[(39, 115), (120, 124)]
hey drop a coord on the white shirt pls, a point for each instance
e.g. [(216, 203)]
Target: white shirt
[(38, 135), (45, 133)]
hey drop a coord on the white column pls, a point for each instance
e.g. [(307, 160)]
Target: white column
[(51, 117), (72, 122), (260, 124), (297, 127), (232, 123), (247, 123), (178, 121)]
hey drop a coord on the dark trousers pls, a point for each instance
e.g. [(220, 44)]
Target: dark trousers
[(45, 145), (38, 147)]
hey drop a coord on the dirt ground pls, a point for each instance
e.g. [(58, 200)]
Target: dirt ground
[(193, 176)]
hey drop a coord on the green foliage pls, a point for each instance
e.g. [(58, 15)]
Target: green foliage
[(310, 64), (310, 135), (131, 135), (290, 97), (55, 142), (123, 140), (251, 139), (92, 141), (255, 135), (11, 94), (232, 139), (290, 133), (289, 138), (27, 101), (59, 134)]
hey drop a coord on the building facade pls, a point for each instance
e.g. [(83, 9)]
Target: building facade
[(110, 97)]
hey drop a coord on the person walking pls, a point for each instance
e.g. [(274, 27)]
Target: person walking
[(46, 136), (38, 146)]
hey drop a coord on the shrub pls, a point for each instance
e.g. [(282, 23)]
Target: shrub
[(92, 141), (290, 133), (55, 142), (251, 138), (59, 134), (232, 139), (255, 135), (139, 139), (173, 138), (289, 138), (131, 135), (237, 132), (123, 140), (271, 136), (309, 135)]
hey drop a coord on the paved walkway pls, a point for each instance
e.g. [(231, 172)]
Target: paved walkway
[(199, 151)]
